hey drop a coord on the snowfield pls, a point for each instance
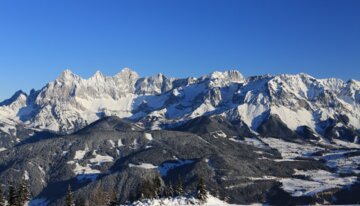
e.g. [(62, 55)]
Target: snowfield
[(144, 166), (319, 180), (289, 151), (182, 201)]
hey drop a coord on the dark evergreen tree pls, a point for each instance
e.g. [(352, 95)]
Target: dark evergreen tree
[(113, 199), (12, 195), (169, 190), (133, 197), (2, 201), (157, 186), (201, 193), (179, 189), (80, 201), (23, 194), (99, 197), (69, 197), (147, 190), (107, 199)]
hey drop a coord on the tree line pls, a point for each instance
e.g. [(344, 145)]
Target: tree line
[(17, 196), (155, 189), (149, 189)]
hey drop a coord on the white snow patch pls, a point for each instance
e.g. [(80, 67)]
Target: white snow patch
[(263, 178), (148, 136), (249, 112), (41, 170), (202, 109), (26, 175), (346, 144), (144, 166), (79, 155), (2, 149), (176, 92), (293, 119), (119, 143), (219, 133)]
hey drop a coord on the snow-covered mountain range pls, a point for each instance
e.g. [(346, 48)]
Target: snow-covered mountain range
[(323, 107), (284, 139)]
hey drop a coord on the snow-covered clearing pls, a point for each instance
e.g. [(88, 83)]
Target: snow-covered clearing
[(144, 166), (99, 159), (319, 180), (316, 180), (86, 171), (181, 201), (289, 150), (342, 162), (251, 141)]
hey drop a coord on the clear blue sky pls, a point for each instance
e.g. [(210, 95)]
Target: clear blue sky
[(39, 39)]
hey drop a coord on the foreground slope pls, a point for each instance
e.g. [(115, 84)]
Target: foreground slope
[(236, 169)]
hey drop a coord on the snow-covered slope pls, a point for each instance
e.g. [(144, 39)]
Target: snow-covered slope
[(70, 102), (182, 201)]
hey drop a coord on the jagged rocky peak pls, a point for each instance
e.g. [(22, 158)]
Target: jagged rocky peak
[(19, 95), (127, 73), (67, 76), (98, 76), (351, 90), (230, 75), (353, 85)]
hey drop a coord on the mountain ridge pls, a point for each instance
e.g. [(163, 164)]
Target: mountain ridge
[(70, 102)]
